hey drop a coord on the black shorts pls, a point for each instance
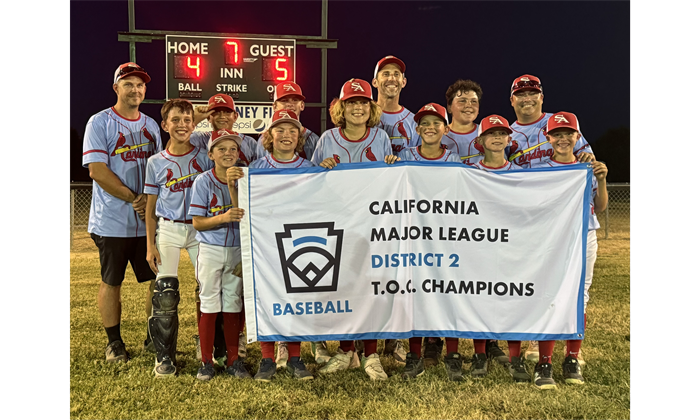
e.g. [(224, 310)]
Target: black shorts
[(115, 253)]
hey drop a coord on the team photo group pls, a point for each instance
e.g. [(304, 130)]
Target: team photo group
[(154, 197)]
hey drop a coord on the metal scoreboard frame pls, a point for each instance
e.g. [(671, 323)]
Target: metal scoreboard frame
[(246, 68)]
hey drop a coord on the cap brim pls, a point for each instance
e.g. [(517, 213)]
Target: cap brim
[(287, 120), (508, 129), (144, 76), (303, 98), (422, 114), (214, 106), (393, 60), (363, 96), (233, 137)]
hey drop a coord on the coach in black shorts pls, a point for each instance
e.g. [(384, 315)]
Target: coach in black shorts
[(118, 142)]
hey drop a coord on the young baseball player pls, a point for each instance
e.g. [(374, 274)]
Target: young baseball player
[(354, 139), (397, 121), (463, 99), (283, 141), (288, 95), (117, 143), (529, 143), (432, 125), (215, 216), (221, 114), (563, 133), (494, 135), (169, 178)]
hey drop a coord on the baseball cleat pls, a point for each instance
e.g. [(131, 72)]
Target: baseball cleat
[(341, 361), (298, 370), (453, 365), (414, 366), (495, 353), (480, 365), (432, 350), (373, 367), (543, 376), (572, 371), (116, 352), (517, 370), (164, 369), (533, 352), (206, 372), (266, 371), (320, 352), (238, 370)]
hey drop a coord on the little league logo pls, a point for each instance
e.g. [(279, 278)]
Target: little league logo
[(310, 256)]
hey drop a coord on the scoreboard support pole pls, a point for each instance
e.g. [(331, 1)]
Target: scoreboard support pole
[(322, 42)]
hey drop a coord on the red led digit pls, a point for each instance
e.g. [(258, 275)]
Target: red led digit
[(232, 56), (282, 69), (189, 64)]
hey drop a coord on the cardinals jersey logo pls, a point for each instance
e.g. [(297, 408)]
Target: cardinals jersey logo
[(213, 202), (479, 147), (148, 135), (560, 119), (429, 108), (396, 148), (219, 100), (370, 155), (356, 86), (120, 142), (169, 175), (214, 209), (495, 120), (402, 130), (336, 158), (288, 88), (196, 166)]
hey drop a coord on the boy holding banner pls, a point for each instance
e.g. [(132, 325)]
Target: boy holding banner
[(215, 216), (493, 137), (354, 139), (431, 127), (563, 132), (283, 141)]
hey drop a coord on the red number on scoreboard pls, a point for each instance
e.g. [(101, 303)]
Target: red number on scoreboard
[(283, 69), (232, 57), (196, 66), (186, 67)]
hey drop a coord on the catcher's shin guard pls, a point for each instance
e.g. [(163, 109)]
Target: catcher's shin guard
[(163, 323)]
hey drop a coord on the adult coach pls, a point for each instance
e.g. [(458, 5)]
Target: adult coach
[(397, 121), (118, 141), (529, 142)]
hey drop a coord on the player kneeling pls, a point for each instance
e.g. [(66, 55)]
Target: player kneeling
[(215, 214), (283, 140), (431, 127), (563, 132)]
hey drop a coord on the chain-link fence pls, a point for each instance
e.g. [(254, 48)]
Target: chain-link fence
[(614, 220)]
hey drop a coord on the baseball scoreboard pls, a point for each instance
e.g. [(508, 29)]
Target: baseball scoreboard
[(247, 69)]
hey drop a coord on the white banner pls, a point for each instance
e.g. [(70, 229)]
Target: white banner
[(369, 250)]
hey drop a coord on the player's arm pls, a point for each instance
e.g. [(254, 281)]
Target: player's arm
[(600, 171), (110, 182), (206, 223), (200, 114), (233, 174), (152, 254)]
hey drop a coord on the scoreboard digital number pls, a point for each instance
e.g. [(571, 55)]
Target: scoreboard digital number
[(247, 69)]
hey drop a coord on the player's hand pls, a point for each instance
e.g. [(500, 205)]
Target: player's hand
[(238, 270), (389, 159), (201, 114), (600, 170), (233, 215), (233, 174), (139, 203), (153, 258), (328, 163), (584, 157)]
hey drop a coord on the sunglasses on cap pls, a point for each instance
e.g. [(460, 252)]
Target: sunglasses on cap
[(130, 69), (527, 84)]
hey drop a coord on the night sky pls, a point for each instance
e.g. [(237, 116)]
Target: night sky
[(580, 51)]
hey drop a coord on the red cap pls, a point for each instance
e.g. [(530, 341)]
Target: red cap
[(354, 88), (563, 120), (389, 59), (285, 116), (493, 121), (526, 81), (131, 69), (221, 135), (432, 109), (221, 101), (288, 89)]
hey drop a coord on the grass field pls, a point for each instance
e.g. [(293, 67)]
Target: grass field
[(129, 390)]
